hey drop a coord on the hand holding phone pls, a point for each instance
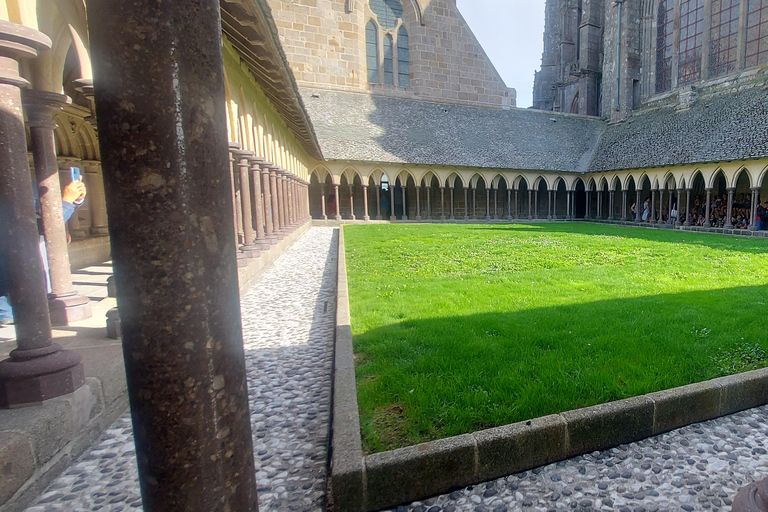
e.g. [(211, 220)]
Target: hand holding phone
[(76, 174)]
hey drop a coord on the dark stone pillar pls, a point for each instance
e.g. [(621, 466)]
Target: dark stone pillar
[(451, 216), (586, 215), (37, 369), (392, 216), (442, 203), (418, 203), (687, 207), (708, 209), (624, 205), (487, 203), (405, 202), (509, 204), (536, 204), (378, 202), (549, 205), (638, 208), (753, 208), (495, 203), (466, 204), (728, 223), (530, 216), (65, 304), (160, 106)]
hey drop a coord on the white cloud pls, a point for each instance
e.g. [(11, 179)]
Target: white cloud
[(511, 32)]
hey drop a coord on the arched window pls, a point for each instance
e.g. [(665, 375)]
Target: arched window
[(724, 37), (388, 17), (403, 62), (664, 45), (757, 33), (372, 52), (389, 77), (691, 30)]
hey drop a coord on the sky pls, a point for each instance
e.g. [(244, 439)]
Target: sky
[(511, 32)]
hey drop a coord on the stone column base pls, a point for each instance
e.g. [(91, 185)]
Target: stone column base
[(34, 380), (752, 498), (68, 309), (242, 259)]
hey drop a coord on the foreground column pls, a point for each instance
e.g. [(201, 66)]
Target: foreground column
[(64, 302), (37, 369), (160, 87)]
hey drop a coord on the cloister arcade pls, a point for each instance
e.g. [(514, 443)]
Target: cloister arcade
[(363, 192)]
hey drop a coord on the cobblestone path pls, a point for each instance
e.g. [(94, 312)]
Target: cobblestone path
[(288, 326), (690, 469)]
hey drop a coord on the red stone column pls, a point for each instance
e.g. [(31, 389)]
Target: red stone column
[(274, 190), (65, 304), (243, 172), (160, 106), (37, 369), (269, 226), (95, 182), (234, 147), (257, 206), (284, 188)]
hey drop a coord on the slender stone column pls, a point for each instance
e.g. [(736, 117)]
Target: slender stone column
[(405, 203), (64, 302), (530, 213), (418, 204), (337, 202), (708, 224), (466, 204), (680, 210), (517, 205), (378, 202), (352, 203), (638, 208), (669, 206), (429, 202), (366, 217), (611, 203), (258, 202), (172, 245), (274, 192), (236, 222), (652, 219), (554, 204), (243, 166), (568, 195), (549, 205), (442, 203), (289, 218), (322, 201), (586, 215), (37, 369), (487, 203), (452, 216), (393, 216), (509, 204), (474, 204), (96, 196), (753, 208), (536, 204), (728, 223), (660, 218), (599, 212), (495, 203), (687, 207), (268, 224), (624, 205)]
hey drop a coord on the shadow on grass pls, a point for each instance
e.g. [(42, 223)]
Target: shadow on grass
[(711, 240), (424, 379)]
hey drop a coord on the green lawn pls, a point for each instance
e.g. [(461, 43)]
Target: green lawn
[(464, 327)]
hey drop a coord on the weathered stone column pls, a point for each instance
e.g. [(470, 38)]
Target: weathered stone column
[(466, 204), (243, 172), (549, 205), (352, 203), (392, 216), (94, 180), (599, 210), (586, 215), (473, 215), (286, 201), (660, 218), (418, 204), (530, 216), (517, 206), (378, 201), (37, 369), (708, 224), (236, 222), (669, 206), (451, 217), (495, 203), (753, 208), (611, 203), (274, 192), (366, 217), (728, 223), (487, 203), (652, 218), (687, 207), (322, 201), (258, 203), (269, 227), (442, 203), (405, 203), (568, 195), (64, 302), (337, 202), (162, 130), (429, 201), (509, 204), (624, 205), (536, 204)]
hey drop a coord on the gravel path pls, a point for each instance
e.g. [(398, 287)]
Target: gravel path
[(288, 326), (699, 467)]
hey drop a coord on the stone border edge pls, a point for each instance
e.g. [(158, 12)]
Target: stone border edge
[(367, 483)]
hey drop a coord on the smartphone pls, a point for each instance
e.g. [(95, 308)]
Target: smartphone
[(76, 174)]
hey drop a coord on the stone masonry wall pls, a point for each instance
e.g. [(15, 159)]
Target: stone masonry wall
[(325, 44)]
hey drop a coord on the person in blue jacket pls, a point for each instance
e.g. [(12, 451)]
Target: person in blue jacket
[(71, 198)]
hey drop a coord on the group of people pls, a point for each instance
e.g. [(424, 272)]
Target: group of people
[(718, 214)]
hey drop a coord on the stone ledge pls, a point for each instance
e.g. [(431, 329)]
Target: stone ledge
[(387, 479)]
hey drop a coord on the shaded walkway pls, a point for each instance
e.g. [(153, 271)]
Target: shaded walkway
[(288, 326)]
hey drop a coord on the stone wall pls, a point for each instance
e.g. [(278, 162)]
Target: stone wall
[(325, 44)]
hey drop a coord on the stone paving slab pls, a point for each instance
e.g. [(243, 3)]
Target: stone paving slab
[(695, 468), (288, 327)]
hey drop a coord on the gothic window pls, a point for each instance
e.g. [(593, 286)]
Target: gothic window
[(691, 34), (394, 68), (389, 77), (372, 52), (757, 33), (403, 62), (724, 37), (664, 45)]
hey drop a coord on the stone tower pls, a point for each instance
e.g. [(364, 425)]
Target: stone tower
[(334, 44)]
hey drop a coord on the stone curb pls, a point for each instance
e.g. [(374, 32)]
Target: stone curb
[(367, 483)]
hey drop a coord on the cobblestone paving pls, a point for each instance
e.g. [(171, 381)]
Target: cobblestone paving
[(288, 326), (693, 468)]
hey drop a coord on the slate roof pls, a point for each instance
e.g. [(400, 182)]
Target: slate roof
[(360, 127), (731, 126)]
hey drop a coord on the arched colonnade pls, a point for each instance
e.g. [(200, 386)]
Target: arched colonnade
[(677, 196)]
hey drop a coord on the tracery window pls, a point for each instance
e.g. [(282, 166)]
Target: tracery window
[(691, 34), (757, 33), (664, 45), (724, 37), (383, 63)]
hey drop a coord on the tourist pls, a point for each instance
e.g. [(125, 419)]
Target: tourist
[(633, 210), (647, 210)]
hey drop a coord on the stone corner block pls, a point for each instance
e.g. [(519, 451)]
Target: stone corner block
[(743, 391), (50, 426), (415, 472), (347, 482), (520, 446), (606, 425), (678, 407), (17, 463)]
